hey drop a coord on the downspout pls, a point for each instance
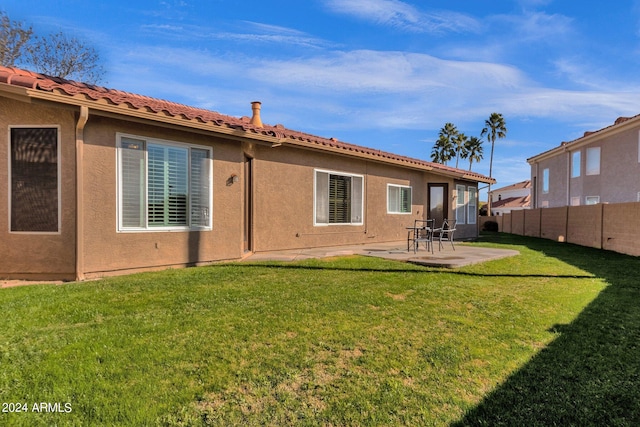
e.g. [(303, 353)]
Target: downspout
[(82, 121)]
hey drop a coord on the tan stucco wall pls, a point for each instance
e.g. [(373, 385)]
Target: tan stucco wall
[(284, 192), (107, 250), (283, 202), (619, 178), (617, 182), (557, 195), (36, 255)]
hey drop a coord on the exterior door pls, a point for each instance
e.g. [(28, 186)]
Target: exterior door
[(438, 206)]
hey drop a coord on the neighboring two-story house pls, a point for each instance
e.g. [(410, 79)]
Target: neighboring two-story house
[(600, 167), (513, 197)]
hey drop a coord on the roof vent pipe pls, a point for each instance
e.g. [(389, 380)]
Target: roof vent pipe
[(255, 119)]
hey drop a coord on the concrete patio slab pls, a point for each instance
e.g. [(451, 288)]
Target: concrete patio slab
[(445, 257)]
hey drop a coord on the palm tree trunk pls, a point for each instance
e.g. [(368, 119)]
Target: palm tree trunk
[(490, 176)]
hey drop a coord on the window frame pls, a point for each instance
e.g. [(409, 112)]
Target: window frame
[(318, 223), (596, 200), (576, 168), (399, 210), (545, 181), (589, 157), (461, 208), (147, 228), (472, 196), (58, 173)]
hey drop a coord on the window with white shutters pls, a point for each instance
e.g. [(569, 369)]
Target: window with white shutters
[(338, 198), (163, 185)]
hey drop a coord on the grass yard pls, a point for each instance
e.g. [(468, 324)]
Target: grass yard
[(550, 337)]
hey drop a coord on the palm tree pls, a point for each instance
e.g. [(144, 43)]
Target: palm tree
[(495, 127), (444, 150), (474, 150), (460, 146)]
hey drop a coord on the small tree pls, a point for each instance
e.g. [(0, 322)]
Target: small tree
[(13, 40), (57, 55), (67, 57)]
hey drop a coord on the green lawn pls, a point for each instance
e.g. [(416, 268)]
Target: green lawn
[(548, 337)]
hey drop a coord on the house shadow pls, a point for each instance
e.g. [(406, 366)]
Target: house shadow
[(590, 373)]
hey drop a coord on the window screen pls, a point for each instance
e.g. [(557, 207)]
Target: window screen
[(34, 180)]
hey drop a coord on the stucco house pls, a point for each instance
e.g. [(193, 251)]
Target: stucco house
[(513, 197), (99, 182), (600, 167)]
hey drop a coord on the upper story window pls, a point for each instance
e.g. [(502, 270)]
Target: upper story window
[(545, 180), (338, 198), (593, 161), (575, 164), (163, 185), (398, 199), (34, 170)]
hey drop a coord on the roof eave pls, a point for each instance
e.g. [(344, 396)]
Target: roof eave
[(112, 110), (585, 140), (118, 110)]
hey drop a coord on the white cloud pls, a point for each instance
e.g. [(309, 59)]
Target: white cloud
[(536, 26), (398, 14), (365, 88)]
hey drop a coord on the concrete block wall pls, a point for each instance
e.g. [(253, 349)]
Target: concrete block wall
[(621, 228), (614, 227), (584, 225), (553, 223), (506, 223), (532, 222), (517, 222)]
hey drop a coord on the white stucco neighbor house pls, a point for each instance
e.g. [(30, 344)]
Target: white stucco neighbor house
[(511, 198)]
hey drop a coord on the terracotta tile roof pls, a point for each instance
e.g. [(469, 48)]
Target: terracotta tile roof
[(517, 186), (512, 202), (40, 82)]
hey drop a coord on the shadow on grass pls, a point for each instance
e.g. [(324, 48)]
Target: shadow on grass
[(426, 270), (590, 374)]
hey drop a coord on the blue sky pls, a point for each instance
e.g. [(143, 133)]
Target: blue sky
[(387, 74)]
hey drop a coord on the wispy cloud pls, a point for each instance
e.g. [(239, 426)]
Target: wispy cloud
[(398, 14), (365, 89), (252, 32), (536, 26)]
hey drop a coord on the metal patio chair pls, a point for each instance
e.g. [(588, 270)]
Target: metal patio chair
[(421, 232), (446, 232)]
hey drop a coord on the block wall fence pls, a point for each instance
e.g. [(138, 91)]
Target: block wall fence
[(614, 227)]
